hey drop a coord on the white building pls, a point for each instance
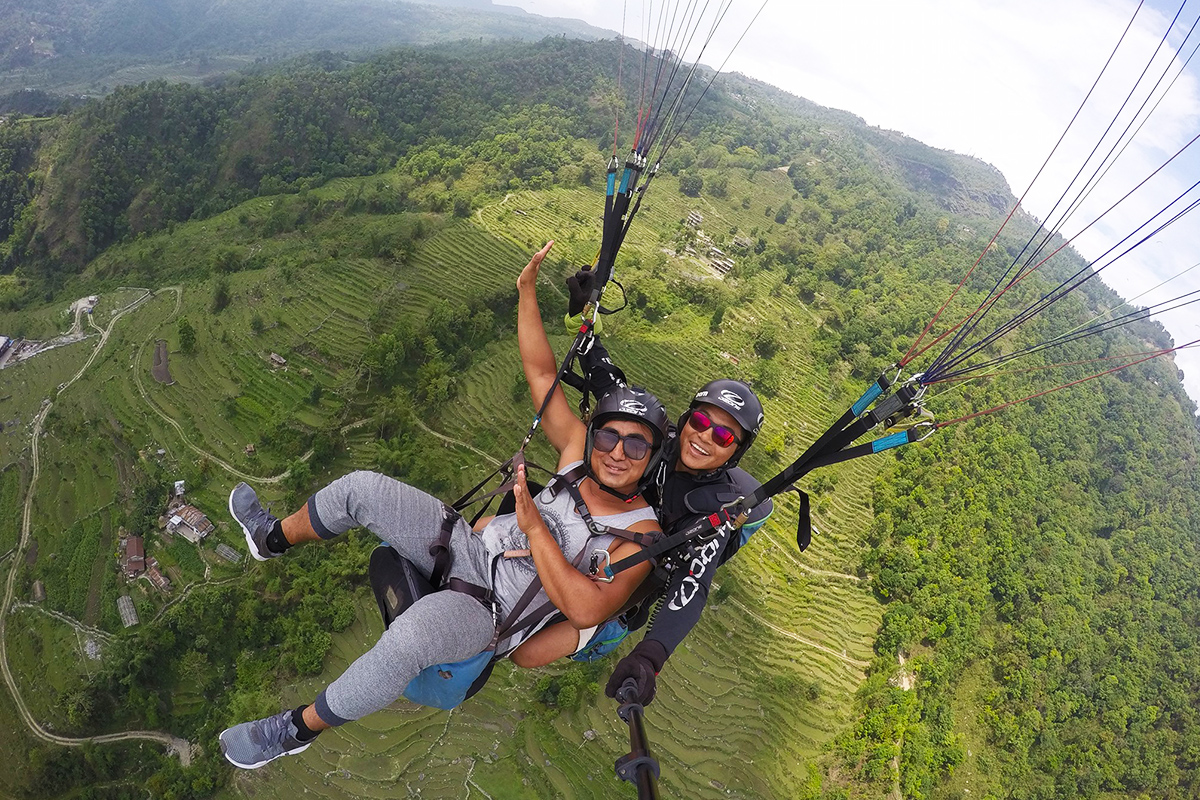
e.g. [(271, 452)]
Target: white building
[(129, 616)]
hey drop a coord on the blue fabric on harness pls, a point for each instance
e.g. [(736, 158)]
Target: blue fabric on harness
[(606, 639), (750, 528), (447, 685)]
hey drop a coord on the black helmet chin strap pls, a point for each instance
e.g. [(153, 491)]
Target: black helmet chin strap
[(628, 498)]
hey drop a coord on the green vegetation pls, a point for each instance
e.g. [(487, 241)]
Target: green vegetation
[(90, 45), (11, 485), (1010, 608)]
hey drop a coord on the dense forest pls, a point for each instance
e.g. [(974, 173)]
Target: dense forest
[(91, 46), (1038, 567)]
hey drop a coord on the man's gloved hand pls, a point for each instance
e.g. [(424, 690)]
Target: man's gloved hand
[(642, 664), (580, 287)]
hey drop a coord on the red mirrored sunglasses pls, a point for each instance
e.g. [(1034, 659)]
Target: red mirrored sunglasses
[(699, 421)]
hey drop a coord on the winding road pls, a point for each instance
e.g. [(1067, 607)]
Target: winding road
[(137, 377), (174, 744)]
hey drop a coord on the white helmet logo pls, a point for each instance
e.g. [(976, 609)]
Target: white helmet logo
[(731, 399), (633, 407)]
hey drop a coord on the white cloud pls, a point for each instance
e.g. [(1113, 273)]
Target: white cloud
[(997, 79)]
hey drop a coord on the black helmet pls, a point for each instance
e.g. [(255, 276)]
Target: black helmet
[(739, 400), (638, 405)]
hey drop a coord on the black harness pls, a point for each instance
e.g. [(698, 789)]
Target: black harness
[(518, 620)]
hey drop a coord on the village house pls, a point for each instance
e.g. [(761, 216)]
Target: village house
[(157, 579), (278, 360), (133, 557), (190, 523)]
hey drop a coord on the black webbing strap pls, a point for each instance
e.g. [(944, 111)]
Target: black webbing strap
[(804, 524), (480, 593), (571, 480), (829, 448), (509, 472), (701, 529), (514, 624), (440, 549)]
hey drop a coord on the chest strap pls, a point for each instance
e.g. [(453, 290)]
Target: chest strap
[(515, 623), (570, 481)]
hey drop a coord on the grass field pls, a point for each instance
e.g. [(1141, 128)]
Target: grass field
[(46, 654), (12, 488), (728, 722)]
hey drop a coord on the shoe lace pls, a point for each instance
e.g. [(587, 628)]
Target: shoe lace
[(272, 731), (260, 515)]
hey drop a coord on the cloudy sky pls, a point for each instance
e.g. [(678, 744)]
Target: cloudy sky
[(999, 81)]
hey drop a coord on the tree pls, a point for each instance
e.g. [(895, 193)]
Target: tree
[(690, 184), (221, 295), (187, 337), (768, 339)]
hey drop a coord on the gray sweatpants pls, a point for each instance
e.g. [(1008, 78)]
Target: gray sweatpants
[(443, 627)]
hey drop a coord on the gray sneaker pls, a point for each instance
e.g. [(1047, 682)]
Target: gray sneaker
[(252, 744), (254, 519)]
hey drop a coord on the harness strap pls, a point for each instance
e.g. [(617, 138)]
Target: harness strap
[(440, 549), (570, 480), (829, 448), (513, 623), (699, 530), (480, 593)]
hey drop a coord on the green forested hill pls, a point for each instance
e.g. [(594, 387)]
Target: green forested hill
[(90, 46), (1011, 609)]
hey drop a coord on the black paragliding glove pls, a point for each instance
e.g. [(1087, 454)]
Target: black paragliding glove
[(580, 285), (642, 664)]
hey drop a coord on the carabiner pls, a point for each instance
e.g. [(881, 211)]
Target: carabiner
[(596, 568), (932, 426)]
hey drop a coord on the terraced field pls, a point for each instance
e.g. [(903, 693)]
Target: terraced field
[(11, 490), (24, 386), (745, 705)]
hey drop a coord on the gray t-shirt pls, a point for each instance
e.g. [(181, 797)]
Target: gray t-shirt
[(512, 575)]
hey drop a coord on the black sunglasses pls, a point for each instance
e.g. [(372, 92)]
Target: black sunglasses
[(605, 440)]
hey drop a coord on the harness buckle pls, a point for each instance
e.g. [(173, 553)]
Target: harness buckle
[(735, 519), (595, 567)]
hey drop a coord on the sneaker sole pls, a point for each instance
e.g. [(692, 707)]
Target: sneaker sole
[(260, 763), (253, 551)]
